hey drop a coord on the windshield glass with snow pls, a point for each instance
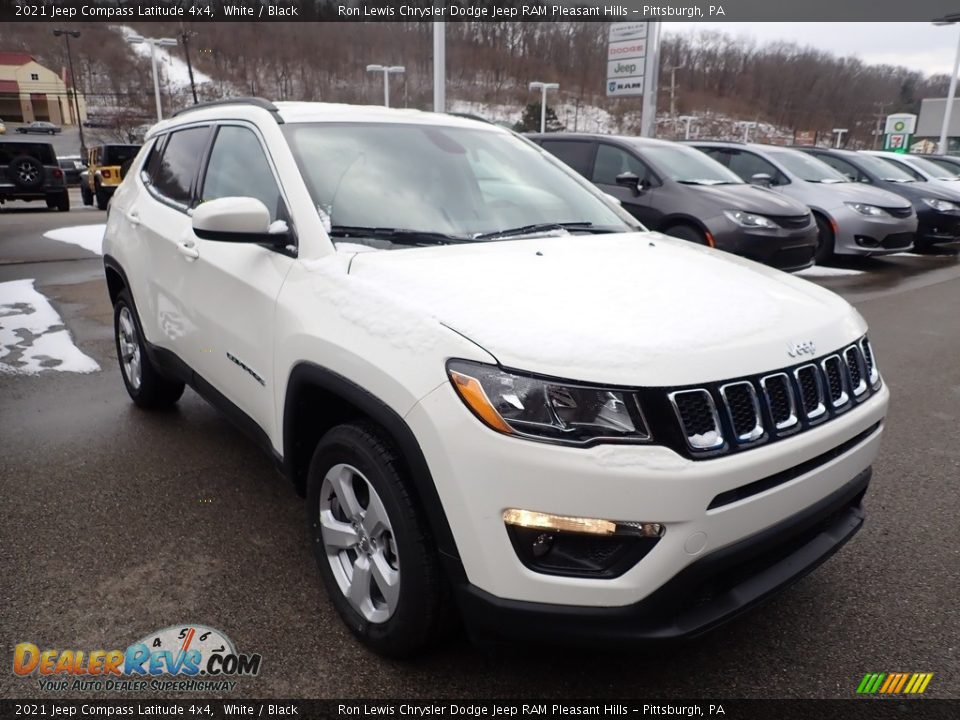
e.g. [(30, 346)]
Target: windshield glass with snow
[(686, 165), (929, 168), (806, 167), (883, 169), (461, 182)]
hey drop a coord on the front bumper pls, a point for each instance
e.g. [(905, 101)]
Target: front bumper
[(858, 234), (480, 473), (704, 595), (784, 248), (937, 227)]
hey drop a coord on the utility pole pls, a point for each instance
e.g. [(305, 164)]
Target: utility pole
[(185, 37), (673, 88), (67, 34), (877, 132)]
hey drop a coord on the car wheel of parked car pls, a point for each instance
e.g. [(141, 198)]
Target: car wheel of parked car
[(102, 198), (85, 195), (687, 232), (372, 545), (26, 172), (61, 202), (824, 241), (147, 386)]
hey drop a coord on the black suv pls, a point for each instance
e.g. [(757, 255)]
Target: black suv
[(30, 171)]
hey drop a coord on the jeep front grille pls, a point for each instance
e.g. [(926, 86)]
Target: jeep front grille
[(717, 418)]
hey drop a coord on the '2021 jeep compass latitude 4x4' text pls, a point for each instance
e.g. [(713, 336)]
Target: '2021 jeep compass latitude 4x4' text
[(497, 391)]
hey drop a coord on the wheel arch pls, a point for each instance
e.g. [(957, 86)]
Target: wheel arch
[(116, 278), (316, 400), (672, 221)]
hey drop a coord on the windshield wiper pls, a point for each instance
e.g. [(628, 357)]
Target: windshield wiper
[(398, 236), (543, 227), (707, 182)]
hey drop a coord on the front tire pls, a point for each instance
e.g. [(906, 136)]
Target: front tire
[(372, 545), (825, 240), (688, 233), (146, 385)]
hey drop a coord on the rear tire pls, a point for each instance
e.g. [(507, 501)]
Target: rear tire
[(825, 240), (85, 195), (61, 202), (688, 233), (147, 386), (382, 573), (102, 198)]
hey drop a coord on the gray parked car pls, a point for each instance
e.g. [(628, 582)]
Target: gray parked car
[(681, 192), (39, 127), (853, 219)]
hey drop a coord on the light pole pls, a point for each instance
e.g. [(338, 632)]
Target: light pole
[(747, 125), (387, 70), (948, 110), (439, 67), (839, 132), (67, 34), (686, 120), (543, 87), (154, 43)]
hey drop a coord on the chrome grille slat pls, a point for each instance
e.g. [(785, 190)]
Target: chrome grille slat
[(778, 392), (812, 396), (873, 376), (856, 370), (836, 380), (743, 411), (698, 418)]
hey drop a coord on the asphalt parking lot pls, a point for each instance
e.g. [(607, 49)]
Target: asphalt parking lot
[(118, 522)]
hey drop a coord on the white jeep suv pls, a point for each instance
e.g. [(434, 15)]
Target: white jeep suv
[(499, 394)]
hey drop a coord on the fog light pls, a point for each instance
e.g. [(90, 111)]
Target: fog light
[(591, 526)]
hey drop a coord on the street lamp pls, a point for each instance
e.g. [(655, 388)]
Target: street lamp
[(67, 34), (543, 87), (839, 132), (747, 127), (686, 120), (154, 43), (950, 19), (387, 70)]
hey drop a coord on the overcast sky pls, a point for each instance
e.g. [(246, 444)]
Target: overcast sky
[(919, 46)]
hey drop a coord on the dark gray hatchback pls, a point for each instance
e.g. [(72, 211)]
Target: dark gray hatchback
[(682, 192)]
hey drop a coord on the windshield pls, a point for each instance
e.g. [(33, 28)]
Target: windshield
[(806, 167), (929, 168), (884, 169), (686, 165), (456, 181)]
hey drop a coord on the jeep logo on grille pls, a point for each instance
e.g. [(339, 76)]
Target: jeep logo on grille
[(807, 347)]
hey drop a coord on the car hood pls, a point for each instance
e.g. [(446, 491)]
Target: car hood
[(918, 190), (627, 309), (857, 192), (750, 198)]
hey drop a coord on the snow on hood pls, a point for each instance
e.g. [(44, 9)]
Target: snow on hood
[(638, 308)]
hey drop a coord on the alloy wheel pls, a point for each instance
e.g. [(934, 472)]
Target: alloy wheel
[(359, 543), (129, 347)]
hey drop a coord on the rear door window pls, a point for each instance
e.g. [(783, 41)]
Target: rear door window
[(578, 154), (172, 176)]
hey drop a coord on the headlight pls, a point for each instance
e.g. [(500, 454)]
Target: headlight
[(864, 209), (547, 409), (941, 205), (749, 220)]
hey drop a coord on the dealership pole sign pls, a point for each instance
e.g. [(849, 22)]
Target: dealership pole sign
[(898, 132), (626, 58)]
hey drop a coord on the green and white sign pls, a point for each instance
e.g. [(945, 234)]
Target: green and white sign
[(898, 132)]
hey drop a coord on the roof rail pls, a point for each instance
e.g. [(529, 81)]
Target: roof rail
[(470, 116), (254, 101)]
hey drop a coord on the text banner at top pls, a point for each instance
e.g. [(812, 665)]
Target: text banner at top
[(475, 10)]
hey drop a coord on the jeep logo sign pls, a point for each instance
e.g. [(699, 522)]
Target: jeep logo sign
[(626, 58), (798, 349)]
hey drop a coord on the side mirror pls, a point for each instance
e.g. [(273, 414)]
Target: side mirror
[(239, 220), (761, 179), (630, 180)]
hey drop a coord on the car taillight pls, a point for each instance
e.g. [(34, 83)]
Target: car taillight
[(105, 173), (57, 173)]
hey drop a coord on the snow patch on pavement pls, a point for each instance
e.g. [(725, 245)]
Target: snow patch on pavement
[(33, 337), (820, 271), (89, 237)]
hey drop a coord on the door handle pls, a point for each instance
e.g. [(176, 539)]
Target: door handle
[(133, 217), (188, 249)]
